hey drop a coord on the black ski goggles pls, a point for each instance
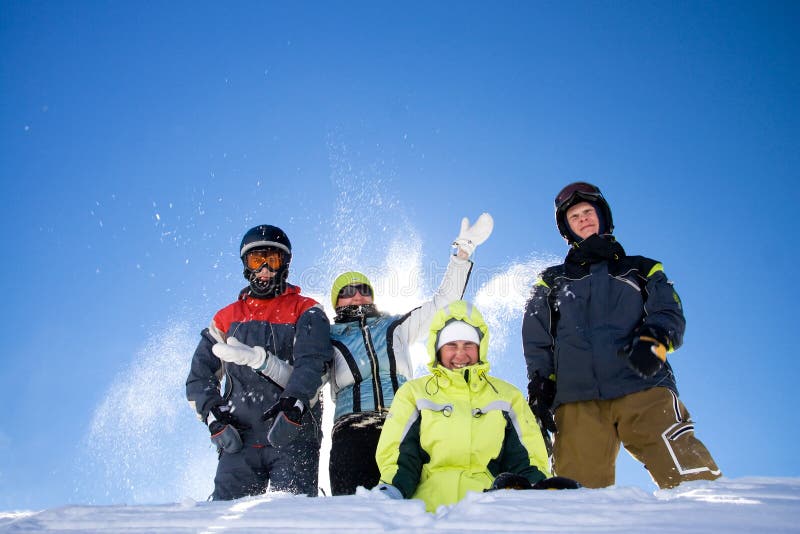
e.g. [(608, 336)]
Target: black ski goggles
[(350, 291), (582, 188)]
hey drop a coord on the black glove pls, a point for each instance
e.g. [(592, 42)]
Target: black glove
[(219, 417), (541, 393), (510, 481), (647, 351), (288, 414), (291, 407), (222, 426), (557, 483)]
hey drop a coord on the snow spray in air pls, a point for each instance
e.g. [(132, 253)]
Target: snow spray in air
[(144, 445)]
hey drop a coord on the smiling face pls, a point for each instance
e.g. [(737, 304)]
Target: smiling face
[(582, 220), (457, 354)]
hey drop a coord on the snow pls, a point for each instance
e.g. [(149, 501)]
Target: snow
[(147, 464), (726, 505), (157, 465)]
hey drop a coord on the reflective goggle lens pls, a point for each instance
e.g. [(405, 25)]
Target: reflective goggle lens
[(577, 187), (256, 259), (350, 291)]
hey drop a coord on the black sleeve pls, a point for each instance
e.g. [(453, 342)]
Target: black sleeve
[(514, 457), (410, 461), (203, 382), (538, 328), (312, 355)]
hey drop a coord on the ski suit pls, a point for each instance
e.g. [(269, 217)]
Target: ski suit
[(454, 431), (580, 314), (371, 361), (294, 329)]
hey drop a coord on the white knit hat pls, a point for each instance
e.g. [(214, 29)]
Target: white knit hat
[(458, 331)]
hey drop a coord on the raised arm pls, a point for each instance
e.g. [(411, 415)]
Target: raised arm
[(455, 278)]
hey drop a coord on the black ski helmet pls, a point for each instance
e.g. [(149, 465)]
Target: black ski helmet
[(575, 193), (265, 236)]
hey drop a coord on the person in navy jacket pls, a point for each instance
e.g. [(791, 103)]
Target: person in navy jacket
[(596, 333), (256, 375)]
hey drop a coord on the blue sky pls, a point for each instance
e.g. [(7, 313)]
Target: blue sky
[(140, 140)]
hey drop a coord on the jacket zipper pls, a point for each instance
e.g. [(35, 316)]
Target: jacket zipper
[(373, 360)]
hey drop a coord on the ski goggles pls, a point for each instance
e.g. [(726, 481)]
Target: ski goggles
[(582, 188), (350, 291), (271, 258)]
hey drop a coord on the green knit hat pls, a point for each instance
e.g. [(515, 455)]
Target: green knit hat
[(346, 279)]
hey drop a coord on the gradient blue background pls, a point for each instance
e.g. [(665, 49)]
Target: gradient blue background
[(140, 139)]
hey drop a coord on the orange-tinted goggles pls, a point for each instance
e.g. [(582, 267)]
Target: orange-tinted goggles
[(256, 259)]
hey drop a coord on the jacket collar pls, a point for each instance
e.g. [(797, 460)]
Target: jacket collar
[(594, 249), (474, 376), (245, 295)]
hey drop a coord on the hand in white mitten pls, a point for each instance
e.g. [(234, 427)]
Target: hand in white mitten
[(472, 236), (234, 351)]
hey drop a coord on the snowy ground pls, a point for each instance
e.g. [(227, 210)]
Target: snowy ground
[(728, 505)]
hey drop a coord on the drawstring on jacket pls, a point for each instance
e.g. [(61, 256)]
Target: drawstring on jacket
[(482, 374), (435, 380)]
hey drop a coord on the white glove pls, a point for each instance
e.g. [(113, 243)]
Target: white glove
[(387, 490), (234, 351), (472, 236)]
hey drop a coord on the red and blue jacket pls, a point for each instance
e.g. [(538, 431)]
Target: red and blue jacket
[(291, 327)]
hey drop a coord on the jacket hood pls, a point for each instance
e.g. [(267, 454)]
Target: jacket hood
[(459, 310)]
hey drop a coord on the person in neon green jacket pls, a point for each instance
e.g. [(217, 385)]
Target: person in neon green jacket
[(457, 429)]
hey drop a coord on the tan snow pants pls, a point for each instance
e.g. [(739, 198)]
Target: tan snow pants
[(653, 425)]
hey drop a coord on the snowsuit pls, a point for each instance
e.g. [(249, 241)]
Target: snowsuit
[(371, 361), (579, 315), (454, 431), (295, 329)]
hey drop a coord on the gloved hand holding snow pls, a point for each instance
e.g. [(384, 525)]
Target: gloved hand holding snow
[(234, 351), (471, 236), (387, 490)]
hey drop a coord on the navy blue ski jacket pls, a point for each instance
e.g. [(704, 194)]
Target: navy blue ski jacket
[(583, 311)]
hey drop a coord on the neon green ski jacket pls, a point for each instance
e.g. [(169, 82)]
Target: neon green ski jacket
[(451, 432)]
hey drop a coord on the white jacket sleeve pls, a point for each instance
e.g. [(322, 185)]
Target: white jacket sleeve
[(451, 289)]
